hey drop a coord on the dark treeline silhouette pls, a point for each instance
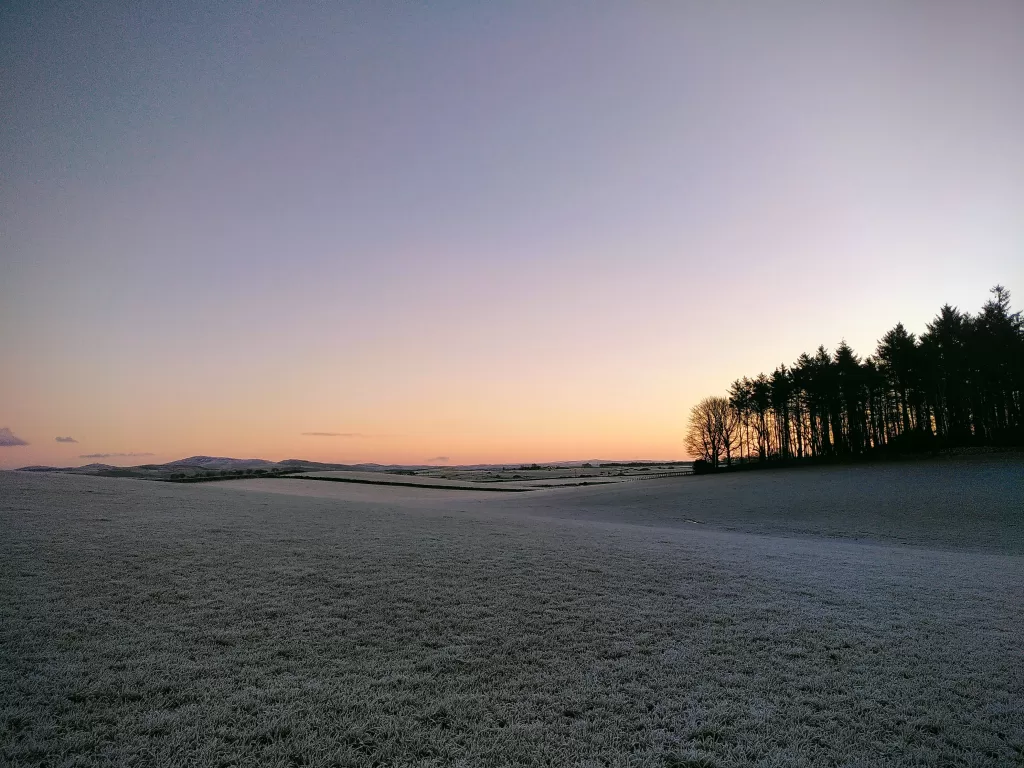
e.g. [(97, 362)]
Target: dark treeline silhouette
[(960, 384)]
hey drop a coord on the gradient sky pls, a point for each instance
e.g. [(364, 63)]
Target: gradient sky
[(480, 231)]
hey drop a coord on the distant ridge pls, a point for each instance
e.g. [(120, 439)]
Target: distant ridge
[(213, 462), (94, 467), (228, 464)]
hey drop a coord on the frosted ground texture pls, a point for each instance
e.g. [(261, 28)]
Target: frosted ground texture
[(153, 624)]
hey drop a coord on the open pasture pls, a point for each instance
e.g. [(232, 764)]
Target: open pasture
[(860, 616)]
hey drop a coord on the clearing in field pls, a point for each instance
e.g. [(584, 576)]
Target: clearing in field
[(856, 616)]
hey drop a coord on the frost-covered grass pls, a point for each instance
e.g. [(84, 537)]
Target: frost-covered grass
[(152, 624), (969, 503)]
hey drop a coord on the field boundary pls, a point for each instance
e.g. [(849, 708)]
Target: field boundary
[(434, 486), (659, 475)]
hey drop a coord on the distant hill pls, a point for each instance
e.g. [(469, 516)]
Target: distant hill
[(214, 462), (85, 468)]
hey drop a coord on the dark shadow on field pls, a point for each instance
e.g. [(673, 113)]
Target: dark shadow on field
[(974, 504)]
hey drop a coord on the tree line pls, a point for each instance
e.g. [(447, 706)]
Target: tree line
[(961, 383)]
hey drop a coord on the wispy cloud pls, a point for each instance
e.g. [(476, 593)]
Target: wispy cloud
[(440, 459), (9, 439), (333, 434), (112, 455), (65, 439)]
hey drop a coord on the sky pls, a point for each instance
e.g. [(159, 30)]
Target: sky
[(464, 232)]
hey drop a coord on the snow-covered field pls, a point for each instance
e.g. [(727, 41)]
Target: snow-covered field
[(861, 616)]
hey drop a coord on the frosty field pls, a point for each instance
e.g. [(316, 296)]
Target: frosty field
[(857, 616)]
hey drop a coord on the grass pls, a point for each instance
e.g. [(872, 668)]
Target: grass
[(150, 624)]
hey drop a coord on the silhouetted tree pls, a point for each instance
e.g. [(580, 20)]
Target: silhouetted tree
[(741, 402)]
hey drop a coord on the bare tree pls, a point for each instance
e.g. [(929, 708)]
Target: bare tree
[(713, 431)]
